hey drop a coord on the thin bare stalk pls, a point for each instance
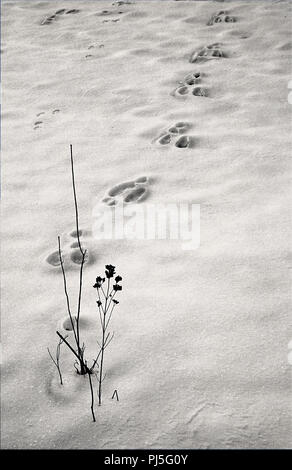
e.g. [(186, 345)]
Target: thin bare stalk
[(95, 361), (110, 340), (80, 359), (110, 315), (75, 198), (57, 360), (83, 254), (66, 291), (79, 298), (92, 397), (101, 366)]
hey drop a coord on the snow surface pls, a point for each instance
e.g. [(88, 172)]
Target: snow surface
[(200, 353)]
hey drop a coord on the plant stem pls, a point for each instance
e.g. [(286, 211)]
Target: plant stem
[(101, 367), (110, 315), (92, 397), (57, 366), (66, 291), (79, 306), (83, 254), (95, 360), (75, 198), (80, 359), (102, 345)]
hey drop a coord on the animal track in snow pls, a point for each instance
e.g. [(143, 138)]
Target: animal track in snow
[(135, 195), (74, 253), (164, 139), (213, 51), (193, 78), (66, 323), (111, 21), (176, 134), (221, 17), (179, 128), (76, 257), (57, 14), (105, 13), (53, 259), (48, 20), (120, 188), (189, 86), (74, 245), (109, 201), (38, 124), (71, 254), (141, 179), (198, 91), (81, 233), (183, 142), (93, 46), (182, 90), (127, 192), (110, 13), (119, 3)]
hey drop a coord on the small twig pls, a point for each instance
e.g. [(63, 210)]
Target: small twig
[(80, 359), (75, 198), (115, 394), (110, 340), (95, 361), (80, 293), (110, 315), (92, 397), (103, 378), (57, 361), (111, 299), (100, 314), (106, 339), (66, 291), (103, 292), (83, 254)]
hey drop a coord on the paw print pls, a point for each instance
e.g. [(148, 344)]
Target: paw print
[(221, 17), (52, 18), (213, 51), (176, 134), (189, 85), (71, 254), (39, 122), (128, 192)]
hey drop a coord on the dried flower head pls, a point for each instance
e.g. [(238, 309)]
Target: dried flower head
[(117, 287), (98, 282), (109, 271)]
